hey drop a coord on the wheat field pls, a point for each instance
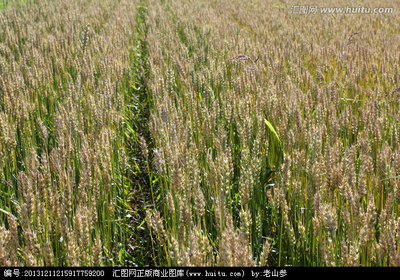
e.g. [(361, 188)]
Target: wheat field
[(199, 133)]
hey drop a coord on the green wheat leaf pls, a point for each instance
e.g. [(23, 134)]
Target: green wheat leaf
[(272, 129)]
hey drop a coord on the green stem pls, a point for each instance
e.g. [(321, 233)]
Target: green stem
[(280, 240)]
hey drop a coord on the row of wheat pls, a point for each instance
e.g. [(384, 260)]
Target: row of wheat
[(277, 135), (64, 70)]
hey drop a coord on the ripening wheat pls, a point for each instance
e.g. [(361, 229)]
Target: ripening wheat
[(276, 134), (63, 73)]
